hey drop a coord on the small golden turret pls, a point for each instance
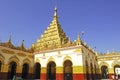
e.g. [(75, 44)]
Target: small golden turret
[(9, 43), (22, 46), (78, 40)]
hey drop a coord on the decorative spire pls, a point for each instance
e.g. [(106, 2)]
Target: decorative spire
[(9, 40), (53, 37), (78, 40), (79, 37), (9, 44), (55, 11), (69, 42), (22, 45), (55, 17)]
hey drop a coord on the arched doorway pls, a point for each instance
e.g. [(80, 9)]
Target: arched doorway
[(25, 70), (87, 71), (92, 76), (104, 71), (51, 71), (0, 66), (117, 70), (95, 69), (12, 69), (68, 71), (37, 70)]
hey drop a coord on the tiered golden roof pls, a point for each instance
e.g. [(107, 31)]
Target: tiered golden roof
[(53, 37), (9, 44)]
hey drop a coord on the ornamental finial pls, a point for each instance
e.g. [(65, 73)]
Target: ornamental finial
[(55, 11)]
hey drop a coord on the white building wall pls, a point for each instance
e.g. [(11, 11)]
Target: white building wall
[(59, 57)]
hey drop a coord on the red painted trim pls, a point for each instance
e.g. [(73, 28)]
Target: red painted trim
[(59, 76), (78, 76), (43, 76)]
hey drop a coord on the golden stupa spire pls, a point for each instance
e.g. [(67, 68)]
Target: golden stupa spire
[(55, 16), (53, 37)]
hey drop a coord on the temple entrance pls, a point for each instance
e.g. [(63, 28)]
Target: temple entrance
[(95, 72), (92, 76), (51, 71), (87, 71), (12, 70), (68, 72), (37, 70), (117, 71), (104, 70), (25, 70), (0, 66)]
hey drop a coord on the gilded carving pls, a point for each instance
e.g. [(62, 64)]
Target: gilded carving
[(115, 63), (37, 60), (7, 51), (14, 58), (21, 54), (2, 58), (53, 37), (103, 63), (51, 59), (59, 54), (67, 58), (43, 69), (26, 61), (78, 69), (30, 56), (59, 69), (44, 56)]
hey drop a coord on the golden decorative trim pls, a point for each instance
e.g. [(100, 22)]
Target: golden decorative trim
[(37, 60), (59, 54), (44, 56), (59, 69), (67, 58), (43, 70), (7, 51), (22, 54), (78, 50), (5, 68), (111, 70), (51, 59), (2, 58), (116, 62), (26, 61), (31, 56), (78, 69), (102, 64)]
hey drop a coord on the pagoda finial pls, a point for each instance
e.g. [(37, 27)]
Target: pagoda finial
[(55, 11), (9, 43), (9, 40), (22, 45), (78, 38)]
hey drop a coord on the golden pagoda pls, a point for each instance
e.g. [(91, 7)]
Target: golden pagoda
[(54, 37)]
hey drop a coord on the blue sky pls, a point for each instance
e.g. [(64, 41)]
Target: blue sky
[(27, 19)]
